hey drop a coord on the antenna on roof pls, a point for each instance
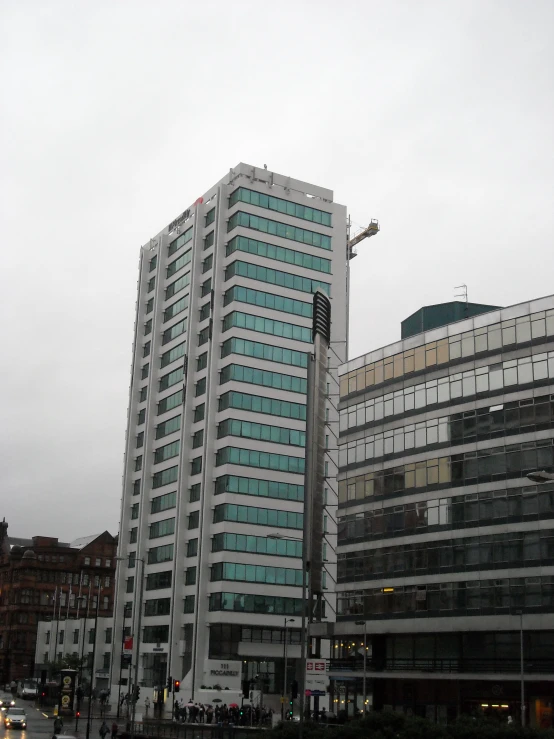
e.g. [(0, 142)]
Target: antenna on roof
[(463, 294)]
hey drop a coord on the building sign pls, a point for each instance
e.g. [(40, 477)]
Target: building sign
[(180, 219), (226, 674), (317, 676), (128, 644)]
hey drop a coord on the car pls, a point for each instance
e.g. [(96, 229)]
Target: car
[(5, 703), (15, 718), (29, 690)]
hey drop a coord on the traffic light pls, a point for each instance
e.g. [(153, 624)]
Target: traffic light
[(290, 708), (170, 683), (137, 692), (77, 714), (294, 689), (176, 686)]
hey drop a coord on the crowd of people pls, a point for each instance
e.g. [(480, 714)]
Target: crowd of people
[(198, 713)]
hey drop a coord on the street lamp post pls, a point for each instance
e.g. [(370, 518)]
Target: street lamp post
[(521, 668), (287, 621), (137, 641), (363, 623)]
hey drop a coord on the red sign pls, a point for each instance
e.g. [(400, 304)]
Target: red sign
[(128, 644), (315, 666)]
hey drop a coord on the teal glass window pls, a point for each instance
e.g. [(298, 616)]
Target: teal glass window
[(192, 548), (268, 352), (175, 308), (305, 212), (146, 349), (136, 487), (204, 311), (200, 388), (188, 604), (202, 361), (256, 573), (198, 439), (210, 217), (140, 440), (279, 253), (207, 263), (255, 604), (162, 528), (239, 373), (235, 319), (275, 228), (158, 580), (260, 488), (150, 306), (267, 300), (168, 427), (209, 240), (204, 336), (257, 545), (275, 277), (194, 493), (148, 327), (261, 432), (258, 516), (144, 370), (262, 404), (183, 239), (166, 452), (176, 330), (172, 354), (163, 502), (159, 606), (170, 402), (190, 576), (172, 378), (165, 477), (138, 463), (261, 460), (151, 284), (193, 519), (142, 394), (153, 263), (199, 412), (160, 554), (134, 511), (177, 264), (196, 466), (206, 288), (178, 285)]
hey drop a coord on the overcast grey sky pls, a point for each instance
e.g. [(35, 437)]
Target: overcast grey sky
[(435, 117)]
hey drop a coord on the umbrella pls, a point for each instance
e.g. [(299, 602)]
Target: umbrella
[(233, 705)]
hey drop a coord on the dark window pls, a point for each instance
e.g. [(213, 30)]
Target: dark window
[(196, 466), (190, 576), (202, 361), (209, 240), (198, 439), (199, 412), (207, 263), (192, 548), (204, 312), (210, 217), (206, 288), (194, 493), (136, 487), (146, 349), (153, 262)]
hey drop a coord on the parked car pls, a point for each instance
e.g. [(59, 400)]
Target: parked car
[(15, 718)]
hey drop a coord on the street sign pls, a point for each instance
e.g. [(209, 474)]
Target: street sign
[(319, 693)]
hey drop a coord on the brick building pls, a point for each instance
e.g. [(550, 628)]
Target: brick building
[(44, 579)]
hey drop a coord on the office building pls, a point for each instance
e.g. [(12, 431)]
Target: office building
[(214, 467), (43, 579), (445, 544)]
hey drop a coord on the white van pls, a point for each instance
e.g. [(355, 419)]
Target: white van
[(27, 689)]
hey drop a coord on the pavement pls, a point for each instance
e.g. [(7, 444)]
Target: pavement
[(40, 723)]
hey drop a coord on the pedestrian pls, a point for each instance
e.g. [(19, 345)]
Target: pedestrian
[(58, 725), (103, 730), (115, 730), (147, 705)]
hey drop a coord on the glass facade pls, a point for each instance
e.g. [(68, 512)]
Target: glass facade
[(168, 427), (260, 488), (258, 516), (163, 502), (166, 452), (256, 573), (178, 263), (239, 373), (261, 432), (175, 308), (275, 228), (279, 253), (165, 477), (180, 241), (256, 544), (176, 330), (268, 352), (268, 301), (263, 460), (170, 402), (176, 286), (262, 404), (266, 326), (172, 378), (279, 205), (162, 528), (275, 277), (255, 604), (160, 554)]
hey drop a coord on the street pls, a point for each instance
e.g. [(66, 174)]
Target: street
[(39, 726)]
